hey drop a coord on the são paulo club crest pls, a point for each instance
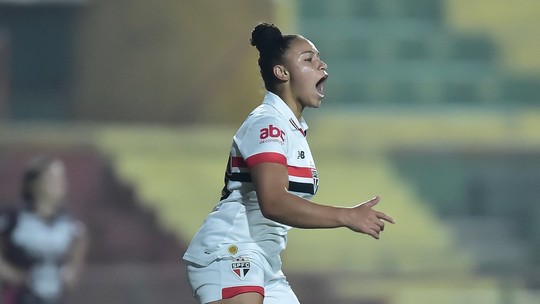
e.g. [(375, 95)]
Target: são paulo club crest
[(241, 266)]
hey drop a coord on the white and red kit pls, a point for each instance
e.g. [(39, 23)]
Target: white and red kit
[(237, 249)]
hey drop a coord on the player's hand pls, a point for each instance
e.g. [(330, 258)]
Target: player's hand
[(364, 219)]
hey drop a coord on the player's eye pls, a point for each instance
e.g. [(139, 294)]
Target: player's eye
[(310, 59)]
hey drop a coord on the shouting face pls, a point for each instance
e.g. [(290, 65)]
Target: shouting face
[(306, 72)]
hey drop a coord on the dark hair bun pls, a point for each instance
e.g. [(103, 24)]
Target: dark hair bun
[(266, 37)]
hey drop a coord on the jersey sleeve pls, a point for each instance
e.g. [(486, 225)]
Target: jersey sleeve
[(262, 140)]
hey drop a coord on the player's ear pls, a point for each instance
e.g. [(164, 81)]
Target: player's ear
[(281, 72)]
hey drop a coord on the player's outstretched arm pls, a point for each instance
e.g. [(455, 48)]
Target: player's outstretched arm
[(271, 182)]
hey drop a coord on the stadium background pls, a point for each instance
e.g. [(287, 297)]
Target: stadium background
[(433, 104)]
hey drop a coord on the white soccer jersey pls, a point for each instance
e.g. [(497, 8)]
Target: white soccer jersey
[(271, 133)]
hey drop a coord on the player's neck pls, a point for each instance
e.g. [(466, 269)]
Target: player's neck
[(45, 211), (292, 102)]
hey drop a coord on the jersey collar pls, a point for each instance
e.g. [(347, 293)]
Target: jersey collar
[(277, 103)]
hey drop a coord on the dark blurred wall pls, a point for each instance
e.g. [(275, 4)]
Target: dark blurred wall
[(168, 61), (4, 72), (36, 60)]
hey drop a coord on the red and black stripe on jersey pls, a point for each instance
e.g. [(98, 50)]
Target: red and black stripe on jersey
[(237, 171)]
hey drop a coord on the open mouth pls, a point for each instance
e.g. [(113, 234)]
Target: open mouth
[(320, 85)]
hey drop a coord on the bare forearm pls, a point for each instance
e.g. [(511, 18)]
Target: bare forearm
[(295, 211), (278, 204), (75, 263)]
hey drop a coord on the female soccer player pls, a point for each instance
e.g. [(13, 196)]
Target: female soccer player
[(42, 248), (269, 181)]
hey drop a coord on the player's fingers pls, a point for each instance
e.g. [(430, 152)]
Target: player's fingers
[(375, 227), (385, 217), (380, 224), (373, 233)]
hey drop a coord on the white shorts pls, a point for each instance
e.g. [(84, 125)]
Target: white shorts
[(246, 271)]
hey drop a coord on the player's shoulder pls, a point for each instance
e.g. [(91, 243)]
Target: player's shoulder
[(67, 217), (265, 115), (69, 220)]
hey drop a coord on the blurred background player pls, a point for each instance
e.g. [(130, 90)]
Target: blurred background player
[(42, 247)]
